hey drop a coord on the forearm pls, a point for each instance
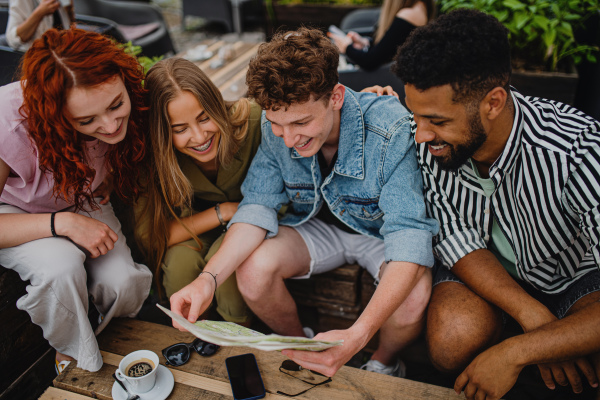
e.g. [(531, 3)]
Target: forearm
[(484, 275), (26, 30), (574, 336), (397, 282), (239, 242), (198, 224), (16, 229)]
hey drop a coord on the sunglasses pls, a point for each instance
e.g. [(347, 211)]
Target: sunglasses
[(289, 365), (178, 354)]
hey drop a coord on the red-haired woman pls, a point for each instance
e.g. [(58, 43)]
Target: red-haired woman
[(70, 128)]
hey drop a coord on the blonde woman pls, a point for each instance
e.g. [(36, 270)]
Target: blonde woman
[(397, 20), (201, 148)]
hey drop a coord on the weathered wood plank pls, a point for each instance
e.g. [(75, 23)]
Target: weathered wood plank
[(123, 336), (53, 393)]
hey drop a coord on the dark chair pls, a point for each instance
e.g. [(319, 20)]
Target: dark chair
[(133, 16), (9, 58), (383, 76), (224, 12), (361, 21)]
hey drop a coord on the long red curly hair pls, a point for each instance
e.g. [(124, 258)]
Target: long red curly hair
[(56, 63)]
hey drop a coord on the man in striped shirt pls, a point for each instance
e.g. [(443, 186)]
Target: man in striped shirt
[(514, 184)]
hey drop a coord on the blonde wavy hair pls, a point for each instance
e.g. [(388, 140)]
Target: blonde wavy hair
[(390, 8), (167, 188)]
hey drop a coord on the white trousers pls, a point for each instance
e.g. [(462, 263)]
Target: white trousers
[(62, 278)]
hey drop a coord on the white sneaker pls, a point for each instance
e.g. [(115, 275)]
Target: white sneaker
[(308, 332), (398, 369)]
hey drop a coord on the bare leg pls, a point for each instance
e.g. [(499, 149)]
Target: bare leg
[(460, 325), (261, 280), (405, 325), (63, 357)]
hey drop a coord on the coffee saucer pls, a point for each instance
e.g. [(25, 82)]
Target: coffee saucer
[(161, 390)]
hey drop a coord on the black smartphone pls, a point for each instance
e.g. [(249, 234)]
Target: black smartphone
[(244, 376)]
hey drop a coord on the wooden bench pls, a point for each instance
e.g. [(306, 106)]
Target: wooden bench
[(22, 346)]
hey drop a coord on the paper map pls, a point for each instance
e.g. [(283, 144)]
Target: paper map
[(231, 334)]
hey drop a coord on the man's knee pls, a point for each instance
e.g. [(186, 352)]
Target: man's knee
[(256, 275), (460, 325)]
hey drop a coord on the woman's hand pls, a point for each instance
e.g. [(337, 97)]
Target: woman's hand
[(358, 42), (94, 236), (47, 7), (342, 42), (105, 189)]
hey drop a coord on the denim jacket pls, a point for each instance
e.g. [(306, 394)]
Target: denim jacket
[(375, 186)]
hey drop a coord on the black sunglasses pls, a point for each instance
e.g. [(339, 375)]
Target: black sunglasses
[(178, 354), (289, 365)]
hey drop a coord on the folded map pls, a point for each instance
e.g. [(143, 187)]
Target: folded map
[(231, 334)]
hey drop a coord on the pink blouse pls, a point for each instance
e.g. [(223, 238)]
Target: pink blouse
[(27, 187)]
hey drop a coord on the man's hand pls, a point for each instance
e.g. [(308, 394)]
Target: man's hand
[(563, 373), (381, 91), (329, 361), (567, 372), (489, 376), (191, 301), (94, 236)]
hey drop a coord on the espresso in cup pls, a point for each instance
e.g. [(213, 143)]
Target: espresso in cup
[(140, 368), (138, 371)]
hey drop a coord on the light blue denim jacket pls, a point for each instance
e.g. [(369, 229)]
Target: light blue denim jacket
[(375, 187)]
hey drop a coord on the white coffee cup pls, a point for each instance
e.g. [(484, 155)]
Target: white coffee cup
[(137, 361)]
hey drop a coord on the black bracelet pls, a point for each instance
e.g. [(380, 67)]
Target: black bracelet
[(214, 278), (52, 224)]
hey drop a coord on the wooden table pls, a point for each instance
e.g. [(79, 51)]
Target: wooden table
[(206, 377), (230, 78)]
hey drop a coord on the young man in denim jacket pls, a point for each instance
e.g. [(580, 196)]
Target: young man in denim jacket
[(345, 164)]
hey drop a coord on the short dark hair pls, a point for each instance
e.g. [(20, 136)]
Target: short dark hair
[(465, 48), (294, 67)]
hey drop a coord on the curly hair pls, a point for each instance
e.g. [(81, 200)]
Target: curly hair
[(56, 63), (294, 67), (465, 48)]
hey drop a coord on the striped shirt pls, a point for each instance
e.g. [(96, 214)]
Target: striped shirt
[(546, 202)]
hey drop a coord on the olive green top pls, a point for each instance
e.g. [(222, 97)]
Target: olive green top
[(229, 178)]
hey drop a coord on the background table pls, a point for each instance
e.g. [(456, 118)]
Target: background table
[(230, 78)]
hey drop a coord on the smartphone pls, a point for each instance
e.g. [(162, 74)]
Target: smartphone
[(244, 376), (336, 31)]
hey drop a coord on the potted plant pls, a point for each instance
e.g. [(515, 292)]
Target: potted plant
[(542, 37)]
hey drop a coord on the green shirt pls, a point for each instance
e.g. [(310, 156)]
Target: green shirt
[(229, 178), (498, 244)]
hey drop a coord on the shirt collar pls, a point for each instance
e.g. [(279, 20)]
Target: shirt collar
[(350, 161)]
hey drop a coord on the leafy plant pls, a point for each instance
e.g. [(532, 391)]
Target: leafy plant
[(540, 31), (145, 62)]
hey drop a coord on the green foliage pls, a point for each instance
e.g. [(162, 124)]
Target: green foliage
[(145, 62), (540, 31)]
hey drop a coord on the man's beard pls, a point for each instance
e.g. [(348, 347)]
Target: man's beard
[(459, 154)]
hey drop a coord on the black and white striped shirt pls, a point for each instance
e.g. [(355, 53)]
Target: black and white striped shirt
[(546, 202)]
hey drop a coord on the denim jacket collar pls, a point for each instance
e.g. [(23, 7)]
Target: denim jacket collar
[(351, 148)]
